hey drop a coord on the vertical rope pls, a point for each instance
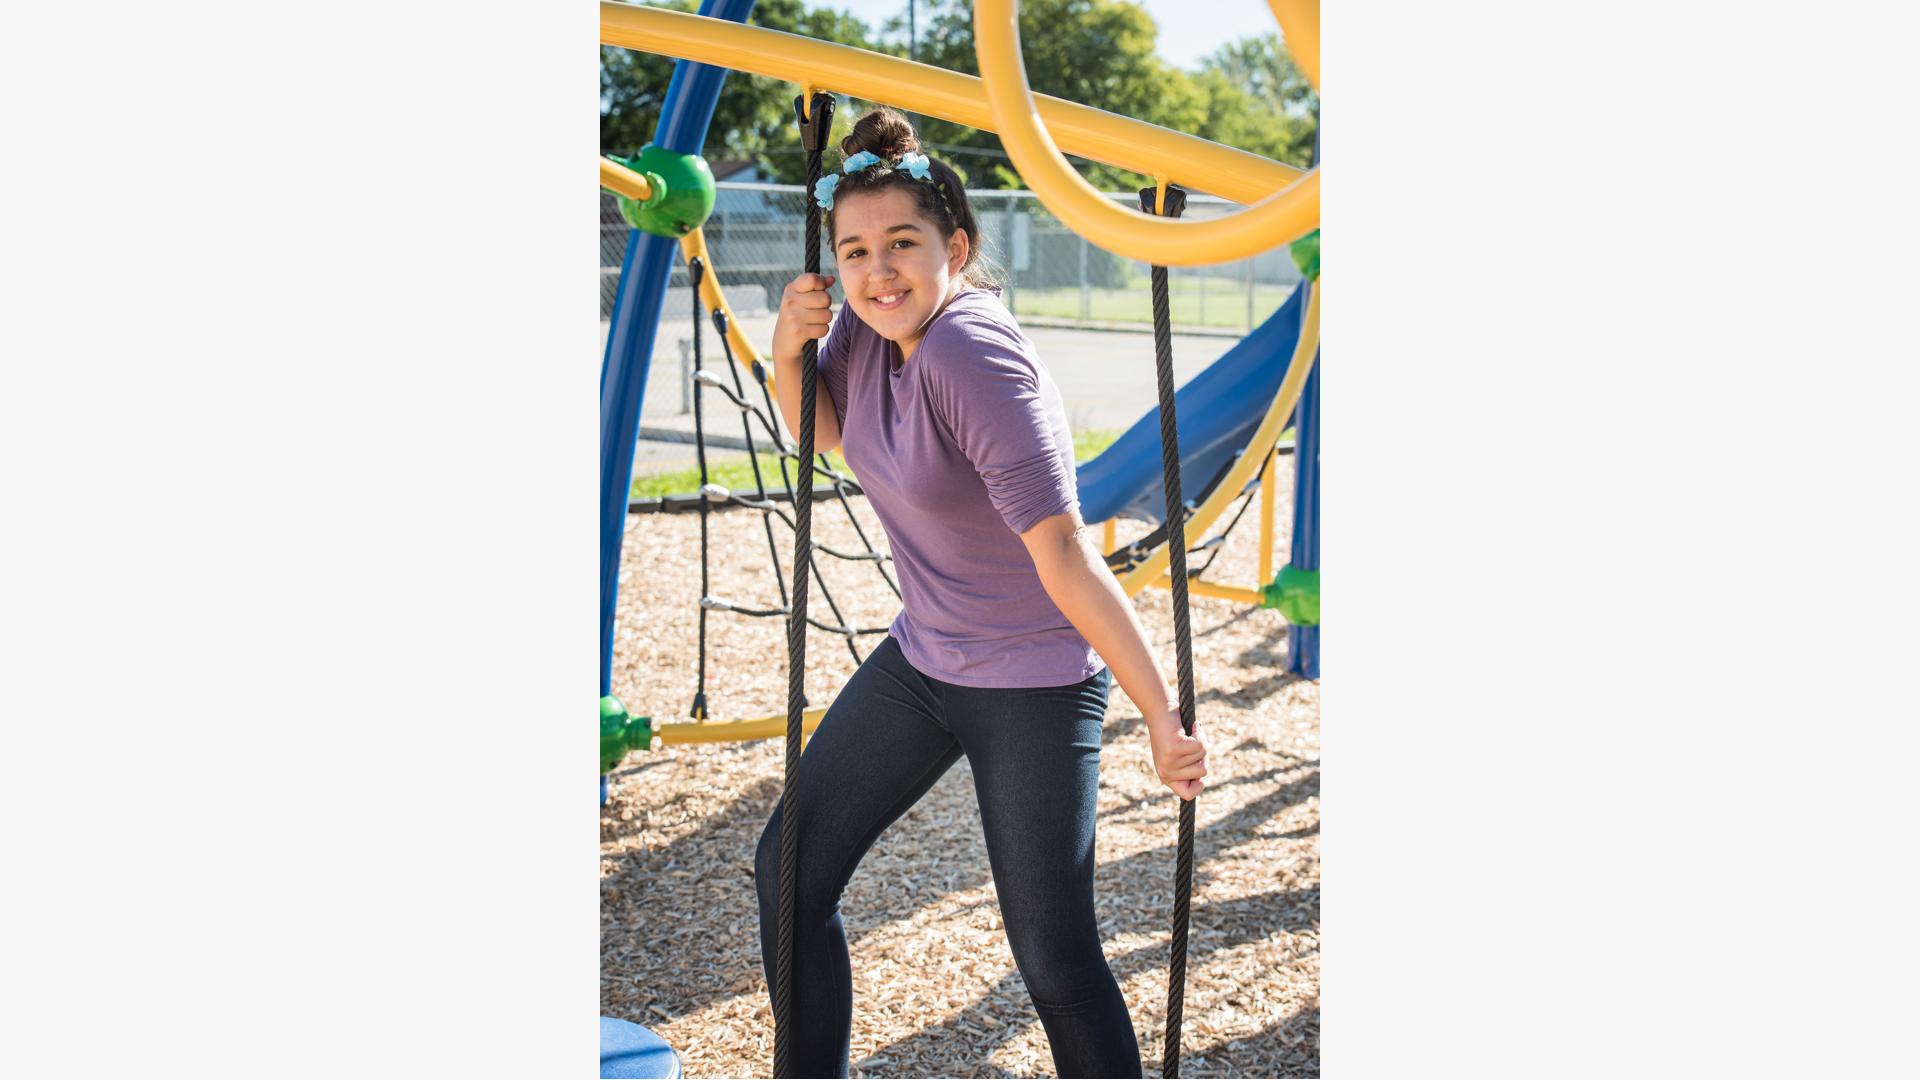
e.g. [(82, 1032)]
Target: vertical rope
[(1174, 202), (696, 269), (816, 121)]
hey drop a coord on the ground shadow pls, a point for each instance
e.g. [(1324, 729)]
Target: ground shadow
[(692, 899), (714, 910), (1155, 798), (961, 1045), (1294, 1041)]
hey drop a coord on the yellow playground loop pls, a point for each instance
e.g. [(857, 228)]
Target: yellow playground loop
[(1283, 203), (1283, 215)]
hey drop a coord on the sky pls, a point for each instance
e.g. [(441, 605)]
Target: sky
[(1183, 38)]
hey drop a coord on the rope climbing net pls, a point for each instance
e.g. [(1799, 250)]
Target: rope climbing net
[(800, 496)]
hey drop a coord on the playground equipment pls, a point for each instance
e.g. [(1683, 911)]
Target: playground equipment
[(666, 208)]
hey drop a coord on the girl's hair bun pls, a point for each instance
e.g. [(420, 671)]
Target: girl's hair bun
[(883, 132)]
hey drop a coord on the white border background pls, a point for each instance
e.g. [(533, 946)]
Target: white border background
[(299, 425)]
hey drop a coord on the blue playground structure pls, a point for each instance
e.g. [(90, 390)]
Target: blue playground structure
[(628, 1049)]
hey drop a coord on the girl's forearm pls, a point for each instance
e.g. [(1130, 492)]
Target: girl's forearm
[(786, 391), (1077, 580)]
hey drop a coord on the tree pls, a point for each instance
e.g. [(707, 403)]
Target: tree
[(753, 119), (1282, 112), (1096, 52)]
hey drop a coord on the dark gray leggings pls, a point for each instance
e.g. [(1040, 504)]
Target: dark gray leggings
[(1035, 755)]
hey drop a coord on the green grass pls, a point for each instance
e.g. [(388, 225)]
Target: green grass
[(733, 475), (1226, 302), (1088, 444), (738, 475)]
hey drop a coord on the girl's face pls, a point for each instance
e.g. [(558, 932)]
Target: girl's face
[(896, 269)]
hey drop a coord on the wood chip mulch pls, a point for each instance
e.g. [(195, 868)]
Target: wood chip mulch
[(935, 988)]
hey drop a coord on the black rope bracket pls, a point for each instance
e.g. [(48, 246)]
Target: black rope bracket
[(1170, 205)]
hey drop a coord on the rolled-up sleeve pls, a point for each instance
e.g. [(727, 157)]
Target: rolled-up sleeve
[(988, 392)]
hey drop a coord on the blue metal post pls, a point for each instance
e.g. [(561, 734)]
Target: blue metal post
[(1303, 642), (684, 116), (628, 1049)]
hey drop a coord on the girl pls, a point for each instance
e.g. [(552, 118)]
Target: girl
[(1011, 620)]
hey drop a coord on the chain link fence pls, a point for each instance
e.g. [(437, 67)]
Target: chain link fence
[(1050, 274)]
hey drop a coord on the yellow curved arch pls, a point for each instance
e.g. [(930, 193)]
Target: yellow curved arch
[(1300, 28), (1260, 445), (1281, 216)]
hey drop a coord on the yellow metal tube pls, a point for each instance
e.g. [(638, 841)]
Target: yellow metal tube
[(1265, 573), (1300, 27), (694, 246), (1201, 587), (621, 180), (1193, 163), (737, 730), (1280, 216), (1264, 438)]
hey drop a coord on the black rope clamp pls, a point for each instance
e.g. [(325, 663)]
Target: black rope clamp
[(696, 269), (815, 125), (1176, 200)]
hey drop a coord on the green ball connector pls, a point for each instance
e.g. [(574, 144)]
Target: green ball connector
[(1306, 255), (682, 193), (1296, 594), (620, 733)]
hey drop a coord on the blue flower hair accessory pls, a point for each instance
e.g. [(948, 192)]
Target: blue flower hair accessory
[(914, 165), (823, 191)]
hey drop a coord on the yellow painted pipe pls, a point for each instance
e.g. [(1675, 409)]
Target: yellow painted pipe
[(621, 180), (771, 727), (1282, 215), (1262, 442), (1193, 163), (1300, 27), (1201, 587), (694, 246), (1265, 572)]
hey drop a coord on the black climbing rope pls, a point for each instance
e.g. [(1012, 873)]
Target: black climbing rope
[(816, 121), (1175, 200), (696, 269), (753, 452)]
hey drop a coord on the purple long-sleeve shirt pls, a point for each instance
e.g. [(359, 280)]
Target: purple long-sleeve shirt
[(960, 450)]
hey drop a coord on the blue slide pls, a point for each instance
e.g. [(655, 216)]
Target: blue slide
[(1217, 413)]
